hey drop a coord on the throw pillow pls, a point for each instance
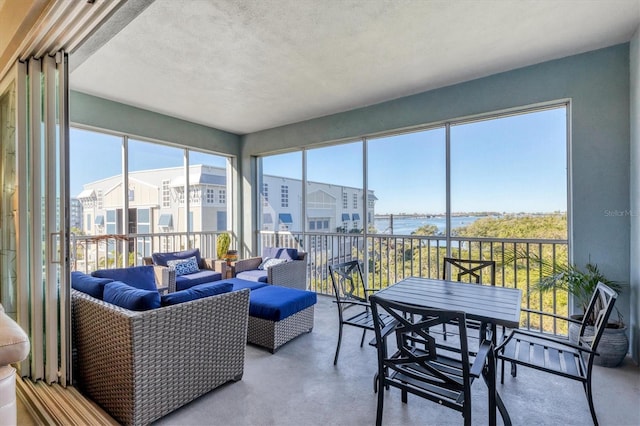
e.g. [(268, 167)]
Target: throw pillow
[(132, 298), (264, 260), (184, 266), (269, 262)]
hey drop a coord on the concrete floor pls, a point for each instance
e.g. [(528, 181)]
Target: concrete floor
[(299, 385)]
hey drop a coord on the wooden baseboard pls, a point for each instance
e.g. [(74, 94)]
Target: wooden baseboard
[(57, 405)]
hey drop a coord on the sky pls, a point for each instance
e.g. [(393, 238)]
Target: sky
[(511, 164)]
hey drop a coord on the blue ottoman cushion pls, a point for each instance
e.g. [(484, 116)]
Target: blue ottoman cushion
[(239, 284), (257, 275), (275, 303), (196, 292), (203, 276)]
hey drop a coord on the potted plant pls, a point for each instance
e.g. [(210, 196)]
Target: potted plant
[(581, 283), (222, 245)]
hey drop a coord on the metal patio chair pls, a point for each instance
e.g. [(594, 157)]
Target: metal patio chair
[(561, 357), (415, 363), (351, 294), (468, 270)]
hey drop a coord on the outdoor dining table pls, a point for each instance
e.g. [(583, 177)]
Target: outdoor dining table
[(491, 305)]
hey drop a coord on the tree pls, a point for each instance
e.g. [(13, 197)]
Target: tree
[(426, 230), (551, 226)]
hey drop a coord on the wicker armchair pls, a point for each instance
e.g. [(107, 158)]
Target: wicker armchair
[(166, 277), (140, 366), (292, 274)]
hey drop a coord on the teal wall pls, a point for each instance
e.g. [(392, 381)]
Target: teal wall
[(634, 277), (597, 83), (109, 115)]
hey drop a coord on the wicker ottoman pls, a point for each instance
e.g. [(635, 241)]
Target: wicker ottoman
[(279, 314)]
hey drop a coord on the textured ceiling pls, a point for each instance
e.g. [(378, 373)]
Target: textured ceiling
[(248, 65)]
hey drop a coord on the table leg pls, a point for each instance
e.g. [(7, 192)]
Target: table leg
[(490, 380), (492, 329), (489, 376)]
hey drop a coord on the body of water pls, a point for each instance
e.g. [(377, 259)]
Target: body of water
[(406, 225)]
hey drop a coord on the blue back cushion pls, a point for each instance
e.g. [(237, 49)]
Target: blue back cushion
[(280, 253), (196, 292), (276, 303), (141, 277), (93, 286), (132, 298), (162, 258)]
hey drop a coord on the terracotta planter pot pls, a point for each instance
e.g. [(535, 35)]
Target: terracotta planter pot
[(613, 344)]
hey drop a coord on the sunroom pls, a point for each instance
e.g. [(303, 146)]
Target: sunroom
[(358, 130)]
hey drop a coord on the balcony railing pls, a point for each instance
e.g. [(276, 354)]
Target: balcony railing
[(390, 258), (387, 259), (91, 252)]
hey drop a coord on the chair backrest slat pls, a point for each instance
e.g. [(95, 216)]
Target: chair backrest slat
[(416, 348), (347, 280), (471, 269), (597, 314)]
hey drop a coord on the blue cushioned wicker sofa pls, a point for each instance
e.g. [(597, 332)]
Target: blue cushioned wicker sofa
[(141, 354), (183, 269)]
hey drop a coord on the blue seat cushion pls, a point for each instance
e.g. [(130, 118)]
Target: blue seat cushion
[(257, 275), (162, 258), (239, 284), (141, 277), (135, 299), (280, 253), (196, 292), (275, 303), (93, 286), (202, 276)]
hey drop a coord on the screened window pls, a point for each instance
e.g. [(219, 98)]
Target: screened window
[(499, 166), (156, 176), (333, 173), (278, 171), (519, 168)]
